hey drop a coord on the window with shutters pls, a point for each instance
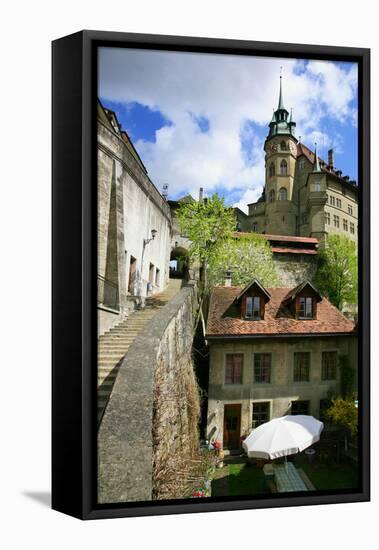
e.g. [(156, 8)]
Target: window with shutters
[(233, 368), (329, 365), (301, 369), (262, 368)]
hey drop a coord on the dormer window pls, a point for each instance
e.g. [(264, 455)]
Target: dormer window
[(251, 301), (253, 308), (305, 307), (302, 301)]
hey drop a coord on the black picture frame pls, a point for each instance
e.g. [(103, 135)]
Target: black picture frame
[(74, 270)]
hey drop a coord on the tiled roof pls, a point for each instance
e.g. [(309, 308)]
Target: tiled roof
[(284, 250), (304, 150), (277, 321), (282, 238)]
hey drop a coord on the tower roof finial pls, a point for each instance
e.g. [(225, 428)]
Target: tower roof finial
[(281, 104), (316, 164)]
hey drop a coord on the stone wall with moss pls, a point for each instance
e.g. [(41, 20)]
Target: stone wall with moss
[(152, 415), (293, 269)]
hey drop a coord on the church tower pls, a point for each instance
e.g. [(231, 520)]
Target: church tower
[(281, 152)]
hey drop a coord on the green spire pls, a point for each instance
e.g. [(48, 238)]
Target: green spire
[(316, 164), (281, 104)]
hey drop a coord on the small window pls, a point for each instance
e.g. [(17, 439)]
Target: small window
[(283, 168), (233, 368), (352, 228), (261, 413), (283, 146), (271, 170), (305, 307), (300, 407), (301, 164), (262, 368), (336, 221), (282, 194), (304, 218), (329, 365), (327, 218), (338, 201), (255, 227), (332, 200), (345, 226), (302, 361), (350, 209), (253, 307), (157, 276), (271, 196), (151, 273)]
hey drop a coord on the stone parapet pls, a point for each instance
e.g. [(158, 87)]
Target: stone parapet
[(126, 449)]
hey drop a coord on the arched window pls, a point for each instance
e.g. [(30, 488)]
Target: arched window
[(283, 146), (271, 170), (271, 196), (282, 194), (283, 168)]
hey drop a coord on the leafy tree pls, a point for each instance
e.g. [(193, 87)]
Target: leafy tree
[(347, 377), (207, 224), (344, 413), (337, 273), (246, 256)]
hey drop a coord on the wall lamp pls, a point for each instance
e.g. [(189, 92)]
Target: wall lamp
[(153, 233)]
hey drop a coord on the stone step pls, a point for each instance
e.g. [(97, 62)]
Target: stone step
[(111, 357), (129, 330), (118, 336), (110, 350), (107, 363)]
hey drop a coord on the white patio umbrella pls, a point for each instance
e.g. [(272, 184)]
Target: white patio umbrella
[(283, 436)]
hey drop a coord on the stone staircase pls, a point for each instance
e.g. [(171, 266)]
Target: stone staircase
[(113, 345)]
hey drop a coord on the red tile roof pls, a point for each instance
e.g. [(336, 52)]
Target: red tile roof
[(284, 250), (303, 150), (277, 320), (283, 238)]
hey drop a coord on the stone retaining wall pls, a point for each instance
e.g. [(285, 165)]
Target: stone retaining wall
[(134, 418)]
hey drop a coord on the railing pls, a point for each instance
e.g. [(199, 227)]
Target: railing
[(107, 293)]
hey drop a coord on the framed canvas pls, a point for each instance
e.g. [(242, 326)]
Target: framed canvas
[(211, 207)]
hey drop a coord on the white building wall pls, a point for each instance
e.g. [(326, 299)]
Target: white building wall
[(141, 215)]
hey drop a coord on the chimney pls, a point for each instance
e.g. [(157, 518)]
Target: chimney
[(201, 194), (331, 158), (228, 278)]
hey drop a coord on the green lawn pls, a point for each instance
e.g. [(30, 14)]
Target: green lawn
[(330, 476), (238, 479), (242, 479)]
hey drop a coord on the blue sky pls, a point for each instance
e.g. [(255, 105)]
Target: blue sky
[(200, 120)]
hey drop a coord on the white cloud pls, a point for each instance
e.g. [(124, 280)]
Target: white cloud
[(249, 196), (231, 92)]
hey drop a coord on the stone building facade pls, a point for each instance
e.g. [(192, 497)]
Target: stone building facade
[(272, 352), (303, 195), (134, 226)]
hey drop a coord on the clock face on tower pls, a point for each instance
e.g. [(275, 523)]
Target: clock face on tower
[(293, 148), (272, 148)]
